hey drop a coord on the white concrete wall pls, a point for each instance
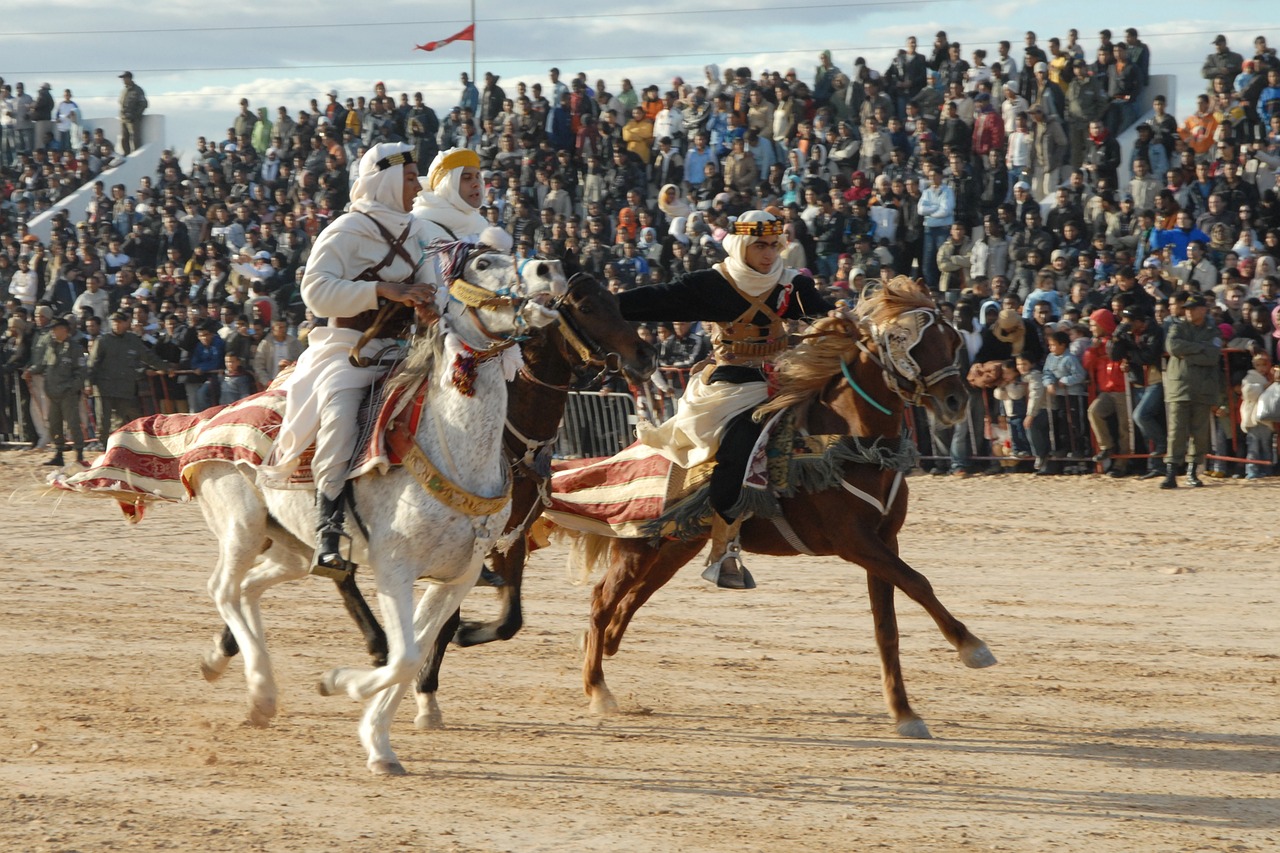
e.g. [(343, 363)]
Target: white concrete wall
[(141, 161)]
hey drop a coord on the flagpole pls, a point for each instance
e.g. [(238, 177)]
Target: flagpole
[(473, 41)]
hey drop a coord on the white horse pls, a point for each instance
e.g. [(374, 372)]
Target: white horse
[(265, 535)]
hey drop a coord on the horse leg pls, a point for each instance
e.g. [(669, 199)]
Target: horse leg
[(885, 617), (395, 593), (239, 545), (375, 639), (670, 558), (429, 716), (437, 606), (627, 585), (510, 567), (879, 557)]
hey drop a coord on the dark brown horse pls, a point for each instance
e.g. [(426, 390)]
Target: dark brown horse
[(591, 337), (851, 379)]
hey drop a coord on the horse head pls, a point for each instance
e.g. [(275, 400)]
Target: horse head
[(596, 335), (489, 286), (918, 352)]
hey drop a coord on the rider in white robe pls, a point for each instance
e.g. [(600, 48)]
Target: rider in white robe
[(449, 204), (352, 266)]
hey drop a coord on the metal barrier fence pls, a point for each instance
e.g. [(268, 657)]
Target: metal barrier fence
[(596, 424)]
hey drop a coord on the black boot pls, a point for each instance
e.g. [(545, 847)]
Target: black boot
[(1192, 479), (1170, 480), (328, 561), (56, 460), (1155, 468)]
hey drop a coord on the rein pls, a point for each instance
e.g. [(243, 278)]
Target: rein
[(588, 350)]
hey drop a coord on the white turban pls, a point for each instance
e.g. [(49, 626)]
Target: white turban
[(379, 184), (440, 202), (747, 279)]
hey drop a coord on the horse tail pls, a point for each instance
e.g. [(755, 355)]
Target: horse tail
[(587, 552)]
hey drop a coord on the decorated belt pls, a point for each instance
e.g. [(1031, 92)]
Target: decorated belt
[(446, 491)]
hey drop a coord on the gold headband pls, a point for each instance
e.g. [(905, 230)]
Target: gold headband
[(394, 160), (757, 229), (451, 161)]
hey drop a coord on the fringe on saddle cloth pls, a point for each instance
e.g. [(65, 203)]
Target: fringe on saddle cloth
[(639, 494)]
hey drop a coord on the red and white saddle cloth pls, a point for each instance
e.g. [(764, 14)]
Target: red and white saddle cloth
[(154, 458)]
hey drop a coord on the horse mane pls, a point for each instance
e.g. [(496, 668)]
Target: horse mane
[(802, 373), (420, 361)]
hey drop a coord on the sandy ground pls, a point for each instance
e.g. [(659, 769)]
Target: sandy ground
[(1134, 707)]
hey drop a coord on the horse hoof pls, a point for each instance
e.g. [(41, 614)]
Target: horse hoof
[(327, 685), (213, 666), (603, 704), (384, 767), (429, 722), (977, 656), (261, 715), (914, 729)]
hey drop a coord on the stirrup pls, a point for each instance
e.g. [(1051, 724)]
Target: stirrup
[(728, 572), (328, 561)]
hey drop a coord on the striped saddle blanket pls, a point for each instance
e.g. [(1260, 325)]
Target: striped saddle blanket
[(640, 494), (154, 458)]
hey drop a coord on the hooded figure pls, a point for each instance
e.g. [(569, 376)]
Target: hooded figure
[(261, 138), (746, 298), (353, 264)]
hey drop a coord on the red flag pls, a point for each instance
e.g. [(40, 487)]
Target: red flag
[(469, 34)]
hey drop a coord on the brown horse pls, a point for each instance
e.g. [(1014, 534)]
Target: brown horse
[(850, 378)]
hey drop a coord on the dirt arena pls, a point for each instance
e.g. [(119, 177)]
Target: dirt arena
[(1134, 707)]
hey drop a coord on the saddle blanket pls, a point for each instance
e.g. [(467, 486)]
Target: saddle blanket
[(155, 458), (640, 494)]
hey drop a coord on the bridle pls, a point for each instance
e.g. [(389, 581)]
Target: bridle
[(892, 354), (589, 351)]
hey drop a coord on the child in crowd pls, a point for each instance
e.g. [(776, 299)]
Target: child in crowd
[(1259, 435), (1012, 394), (1035, 421), (237, 383), (1065, 384)]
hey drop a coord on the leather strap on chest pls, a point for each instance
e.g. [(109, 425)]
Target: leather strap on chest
[(367, 320)]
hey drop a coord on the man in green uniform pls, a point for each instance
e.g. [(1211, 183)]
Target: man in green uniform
[(61, 363), (1192, 389), (115, 367)]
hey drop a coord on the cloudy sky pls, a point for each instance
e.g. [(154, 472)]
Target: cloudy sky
[(195, 63)]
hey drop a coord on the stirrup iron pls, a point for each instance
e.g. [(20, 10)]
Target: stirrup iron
[(724, 565)]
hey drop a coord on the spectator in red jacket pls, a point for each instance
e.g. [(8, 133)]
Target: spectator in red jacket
[(1107, 379)]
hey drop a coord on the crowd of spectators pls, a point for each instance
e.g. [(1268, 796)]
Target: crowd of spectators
[(998, 180)]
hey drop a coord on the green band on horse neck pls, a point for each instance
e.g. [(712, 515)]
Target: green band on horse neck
[(848, 377)]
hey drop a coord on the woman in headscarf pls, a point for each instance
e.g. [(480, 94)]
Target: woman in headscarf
[(354, 263), (747, 297), (671, 203)]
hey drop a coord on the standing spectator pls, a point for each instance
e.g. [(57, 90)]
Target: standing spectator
[(937, 207), (42, 114), (1108, 377), (62, 366), (470, 97), (278, 351), (66, 116), (1049, 151), (1223, 64), (1192, 388), (115, 371), (1259, 435), (133, 103)]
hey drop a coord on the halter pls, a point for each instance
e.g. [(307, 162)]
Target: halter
[(896, 362)]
